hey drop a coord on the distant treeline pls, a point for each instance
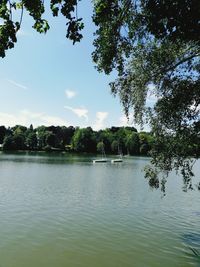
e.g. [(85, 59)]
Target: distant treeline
[(113, 140)]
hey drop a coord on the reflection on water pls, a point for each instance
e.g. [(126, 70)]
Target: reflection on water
[(61, 210), (192, 239), (193, 242)]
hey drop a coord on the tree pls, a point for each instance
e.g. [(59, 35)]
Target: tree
[(100, 147), (155, 47), (8, 143), (67, 133), (50, 139), (84, 140), (41, 136), (14, 142), (106, 136), (115, 146), (132, 143), (146, 142), (18, 137), (31, 138), (18, 141), (2, 133)]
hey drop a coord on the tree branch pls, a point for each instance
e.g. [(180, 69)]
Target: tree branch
[(181, 62)]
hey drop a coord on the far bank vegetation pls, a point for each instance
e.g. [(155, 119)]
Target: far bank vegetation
[(82, 140)]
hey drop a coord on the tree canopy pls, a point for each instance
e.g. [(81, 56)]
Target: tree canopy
[(155, 48), (80, 140)]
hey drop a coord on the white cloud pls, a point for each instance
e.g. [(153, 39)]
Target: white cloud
[(26, 117), (10, 119), (21, 86), (70, 94), (80, 112), (100, 118), (124, 121)]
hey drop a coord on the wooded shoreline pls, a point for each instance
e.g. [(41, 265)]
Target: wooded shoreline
[(114, 140)]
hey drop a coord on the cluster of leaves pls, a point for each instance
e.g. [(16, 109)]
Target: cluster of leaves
[(36, 9), (173, 19), (8, 29), (125, 139), (68, 8), (111, 44), (160, 55)]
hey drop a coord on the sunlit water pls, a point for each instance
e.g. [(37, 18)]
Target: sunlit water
[(64, 211)]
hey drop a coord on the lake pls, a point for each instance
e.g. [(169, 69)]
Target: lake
[(64, 211)]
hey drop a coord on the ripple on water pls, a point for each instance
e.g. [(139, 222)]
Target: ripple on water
[(55, 214)]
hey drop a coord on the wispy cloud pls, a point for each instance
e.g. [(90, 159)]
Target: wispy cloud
[(19, 85), (100, 119), (80, 112), (70, 94), (26, 117)]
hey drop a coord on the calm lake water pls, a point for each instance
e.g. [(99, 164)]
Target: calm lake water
[(64, 211)]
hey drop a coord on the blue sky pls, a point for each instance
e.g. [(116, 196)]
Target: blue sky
[(45, 80)]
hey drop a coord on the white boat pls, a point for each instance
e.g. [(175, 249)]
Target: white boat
[(116, 160), (99, 160)]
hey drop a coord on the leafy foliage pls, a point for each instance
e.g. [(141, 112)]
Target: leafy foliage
[(36, 9), (160, 56), (85, 140)]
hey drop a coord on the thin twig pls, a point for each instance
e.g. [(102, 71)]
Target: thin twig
[(10, 9), (20, 22)]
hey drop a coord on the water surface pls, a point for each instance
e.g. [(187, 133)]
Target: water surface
[(64, 211)]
